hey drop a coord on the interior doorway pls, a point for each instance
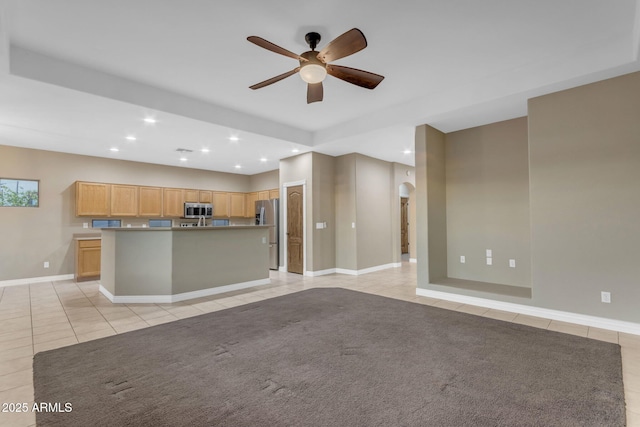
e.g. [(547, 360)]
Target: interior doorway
[(404, 225), (295, 229)]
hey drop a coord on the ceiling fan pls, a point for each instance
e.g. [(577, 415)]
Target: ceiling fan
[(314, 66)]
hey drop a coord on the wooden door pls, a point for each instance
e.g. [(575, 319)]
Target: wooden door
[(172, 204), (92, 199), (191, 196), (221, 204), (150, 201), (88, 259), (263, 195), (295, 237), (206, 196), (274, 194), (250, 205), (124, 200), (404, 225)]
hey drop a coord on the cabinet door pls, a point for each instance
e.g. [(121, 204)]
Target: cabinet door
[(250, 210), (206, 196), (221, 204), (172, 204), (274, 194), (124, 200), (88, 259), (150, 201), (263, 195), (236, 201), (92, 199), (191, 196)]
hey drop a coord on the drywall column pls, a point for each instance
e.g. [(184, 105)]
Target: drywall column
[(431, 226), (584, 162), (324, 212), (345, 203)]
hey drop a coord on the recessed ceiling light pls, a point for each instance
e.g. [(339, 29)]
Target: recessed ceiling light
[(234, 138), (114, 149), (183, 159), (238, 166), (264, 159), (130, 138), (150, 120), (407, 151), (295, 150), (205, 150)]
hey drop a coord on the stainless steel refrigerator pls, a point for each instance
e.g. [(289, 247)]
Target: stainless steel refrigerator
[(267, 212)]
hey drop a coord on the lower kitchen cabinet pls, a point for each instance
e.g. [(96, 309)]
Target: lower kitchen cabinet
[(88, 253)]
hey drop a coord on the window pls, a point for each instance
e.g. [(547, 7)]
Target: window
[(19, 192), (105, 223)]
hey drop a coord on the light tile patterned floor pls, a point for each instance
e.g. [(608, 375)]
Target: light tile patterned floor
[(50, 315)]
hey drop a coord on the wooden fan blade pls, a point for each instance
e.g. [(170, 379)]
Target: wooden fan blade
[(274, 47), (347, 44), (314, 92), (275, 79), (354, 76)]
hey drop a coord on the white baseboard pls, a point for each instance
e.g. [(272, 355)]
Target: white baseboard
[(564, 316), (320, 272), (40, 279), (368, 270), (165, 299)]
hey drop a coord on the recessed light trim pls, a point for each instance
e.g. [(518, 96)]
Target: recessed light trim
[(130, 138), (264, 159), (150, 120), (234, 138), (205, 150), (407, 151), (114, 149), (237, 166), (295, 150), (183, 159)]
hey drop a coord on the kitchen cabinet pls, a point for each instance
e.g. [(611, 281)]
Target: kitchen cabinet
[(250, 209), (191, 196), (274, 194), (221, 205), (92, 199), (237, 204), (88, 253), (263, 195), (150, 201), (172, 203), (124, 200), (206, 196)]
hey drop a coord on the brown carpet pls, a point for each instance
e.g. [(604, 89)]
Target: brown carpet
[(333, 357)]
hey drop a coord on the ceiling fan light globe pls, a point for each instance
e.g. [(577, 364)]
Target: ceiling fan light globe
[(313, 73)]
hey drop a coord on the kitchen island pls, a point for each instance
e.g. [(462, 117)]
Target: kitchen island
[(163, 265)]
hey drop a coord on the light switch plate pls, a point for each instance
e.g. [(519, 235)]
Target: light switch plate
[(489, 261), (489, 253), (605, 297), (85, 225), (512, 263), (462, 259)]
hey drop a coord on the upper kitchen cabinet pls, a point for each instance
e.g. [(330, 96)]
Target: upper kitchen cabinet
[(274, 194), (263, 195), (150, 201), (206, 196), (221, 205), (172, 203), (124, 200), (250, 207), (191, 196), (92, 199), (237, 203)]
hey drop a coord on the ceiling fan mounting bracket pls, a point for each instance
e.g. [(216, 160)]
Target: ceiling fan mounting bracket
[(312, 39)]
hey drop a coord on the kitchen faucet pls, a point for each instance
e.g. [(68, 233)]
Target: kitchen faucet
[(203, 219)]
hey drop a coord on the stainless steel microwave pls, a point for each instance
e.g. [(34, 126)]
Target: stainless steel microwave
[(198, 210)]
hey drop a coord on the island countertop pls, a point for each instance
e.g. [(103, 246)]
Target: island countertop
[(169, 264)]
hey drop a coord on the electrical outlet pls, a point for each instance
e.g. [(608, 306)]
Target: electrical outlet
[(462, 259), (489, 261), (46, 264), (353, 225), (512, 263), (489, 253), (264, 240), (605, 297), (85, 225)]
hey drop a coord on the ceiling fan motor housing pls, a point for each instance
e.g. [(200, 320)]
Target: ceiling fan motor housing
[(312, 39)]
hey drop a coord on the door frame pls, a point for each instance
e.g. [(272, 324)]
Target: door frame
[(284, 236)]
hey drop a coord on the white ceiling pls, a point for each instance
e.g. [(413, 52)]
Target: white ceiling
[(79, 75)]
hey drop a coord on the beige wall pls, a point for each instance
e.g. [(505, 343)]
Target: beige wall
[(31, 236), (345, 201), (584, 203), (487, 197), (264, 181), (324, 211), (585, 198)]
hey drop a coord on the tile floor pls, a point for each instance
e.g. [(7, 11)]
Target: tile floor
[(44, 316)]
